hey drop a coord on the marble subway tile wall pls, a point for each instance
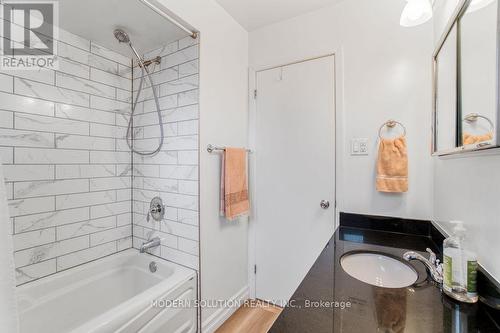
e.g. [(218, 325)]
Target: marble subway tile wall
[(68, 170), (173, 173)]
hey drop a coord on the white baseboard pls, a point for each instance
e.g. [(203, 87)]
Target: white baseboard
[(212, 323)]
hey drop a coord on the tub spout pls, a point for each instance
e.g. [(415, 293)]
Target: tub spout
[(150, 244)]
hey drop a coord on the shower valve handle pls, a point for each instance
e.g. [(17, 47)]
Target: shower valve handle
[(156, 209)]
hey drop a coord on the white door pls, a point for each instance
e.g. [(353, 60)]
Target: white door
[(295, 172)]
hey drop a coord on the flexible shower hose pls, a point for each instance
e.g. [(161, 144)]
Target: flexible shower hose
[(134, 106)]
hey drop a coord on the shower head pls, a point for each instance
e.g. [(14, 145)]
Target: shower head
[(121, 35)]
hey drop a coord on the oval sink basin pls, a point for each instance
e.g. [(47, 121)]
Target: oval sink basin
[(378, 270)]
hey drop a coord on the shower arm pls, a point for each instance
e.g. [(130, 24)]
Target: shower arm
[(156, 60), (139, 58)]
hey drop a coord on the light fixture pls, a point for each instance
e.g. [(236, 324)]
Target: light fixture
[(416, 12), (478, 4)]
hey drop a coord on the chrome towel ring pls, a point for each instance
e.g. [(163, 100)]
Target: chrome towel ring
[(473, 117), (391, 124)]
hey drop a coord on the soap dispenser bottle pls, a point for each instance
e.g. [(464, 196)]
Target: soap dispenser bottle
[(459, 267)]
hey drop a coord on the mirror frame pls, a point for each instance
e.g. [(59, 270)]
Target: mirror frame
[(455, 18), (435, 83)]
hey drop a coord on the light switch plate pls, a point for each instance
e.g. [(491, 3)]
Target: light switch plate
[(359, 146)]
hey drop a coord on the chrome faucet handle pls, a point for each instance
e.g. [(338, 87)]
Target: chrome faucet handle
[(156, 209), (439, 267), (432, 257)]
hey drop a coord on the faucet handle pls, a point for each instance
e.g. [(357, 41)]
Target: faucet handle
[(432, 256), (439, 267)]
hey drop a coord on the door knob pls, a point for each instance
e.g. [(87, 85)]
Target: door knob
[(325, 204)]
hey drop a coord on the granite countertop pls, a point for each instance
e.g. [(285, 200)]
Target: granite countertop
[(329, 300)]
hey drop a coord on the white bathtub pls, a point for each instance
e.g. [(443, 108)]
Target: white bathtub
[(113, 294)]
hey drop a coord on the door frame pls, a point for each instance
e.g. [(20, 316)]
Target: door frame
[(252, 124)]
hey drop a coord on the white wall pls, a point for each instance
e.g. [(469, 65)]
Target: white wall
[(383, 72), (467, 189), (223, 121)]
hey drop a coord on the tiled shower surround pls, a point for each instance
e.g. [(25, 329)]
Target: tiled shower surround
[(69, 170), (173, 173)]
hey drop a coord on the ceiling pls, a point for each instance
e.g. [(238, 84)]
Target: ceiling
[(96, 19), (254, 14)]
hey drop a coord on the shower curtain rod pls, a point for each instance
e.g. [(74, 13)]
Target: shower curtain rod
[(191, 33)]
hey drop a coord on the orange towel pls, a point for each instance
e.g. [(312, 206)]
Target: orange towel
[(468, 139), (234, 188), (392, 165)]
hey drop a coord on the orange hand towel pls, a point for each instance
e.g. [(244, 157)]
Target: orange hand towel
[(468, 139), (392, 165), (234, 188)]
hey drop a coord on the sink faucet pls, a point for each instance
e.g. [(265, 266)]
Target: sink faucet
[(434, 267), (150, 244)]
